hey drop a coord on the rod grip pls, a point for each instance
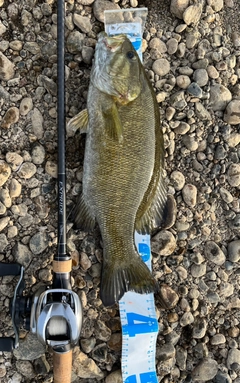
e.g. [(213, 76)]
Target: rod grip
[(62, 367)]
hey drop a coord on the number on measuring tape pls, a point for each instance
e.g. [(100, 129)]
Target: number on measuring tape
[(146, 377), (133, 327)]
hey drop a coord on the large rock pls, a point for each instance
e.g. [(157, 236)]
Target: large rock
[(232, 113), (6, 68), (220, 96), (177, 7)]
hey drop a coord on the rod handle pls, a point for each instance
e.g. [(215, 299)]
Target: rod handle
[(62, 367)]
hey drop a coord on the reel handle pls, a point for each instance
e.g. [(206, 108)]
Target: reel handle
[(62, 367)]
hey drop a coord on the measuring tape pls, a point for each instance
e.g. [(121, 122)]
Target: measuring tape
[(137, 311)]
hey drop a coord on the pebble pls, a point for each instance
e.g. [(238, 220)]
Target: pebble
[(5, 172), (189, 193), (5, 197), (29, 349), (100, 6), (226, 195), (163, 243), (233, 140), (213, 253), (199, 328), (200, 76), (178, 100), (4, 222), (234, 251), (14, 159), (10, 118), (231, 115), (217, 5), (198, 271), (74, 42), (233, 175), (168, 297), (201, 112), (15, 188), (186, 319), (195, 90), (27, 170), (218, 339), (51, 169), (161, 67), (22, 254), (85, 367), (205, 370), (38, 242), (183, 81), (114, 377), (172, 46), (212, 72), (220, 96), (192, 14), (26, 106), (38, 154), (6, 68), (82, 23), (37, 123), (178, 180), (233, 357), (25, 368), (167, 351), (177, 7)]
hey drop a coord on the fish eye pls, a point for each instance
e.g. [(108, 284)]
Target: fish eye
[(130, 55)]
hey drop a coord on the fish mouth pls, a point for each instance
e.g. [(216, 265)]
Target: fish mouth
[(113, 43)]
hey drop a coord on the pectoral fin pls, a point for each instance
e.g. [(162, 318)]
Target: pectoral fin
[(78, 122), (113, 123)]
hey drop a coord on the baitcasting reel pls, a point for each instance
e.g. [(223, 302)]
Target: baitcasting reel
[(54, 315)]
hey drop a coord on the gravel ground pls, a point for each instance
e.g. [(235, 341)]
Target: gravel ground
[(192, 56)]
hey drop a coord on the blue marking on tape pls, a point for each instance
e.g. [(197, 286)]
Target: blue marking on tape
[(146, 377), (132, 328), (144, 251)]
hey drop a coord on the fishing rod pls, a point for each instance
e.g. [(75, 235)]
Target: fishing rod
[(55, 314)]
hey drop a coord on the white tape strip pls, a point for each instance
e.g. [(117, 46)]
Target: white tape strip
[(137, 311)]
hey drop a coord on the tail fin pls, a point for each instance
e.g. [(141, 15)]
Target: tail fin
[(120, 277)]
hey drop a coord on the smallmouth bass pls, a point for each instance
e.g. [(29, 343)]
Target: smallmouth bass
[(123, 186)]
